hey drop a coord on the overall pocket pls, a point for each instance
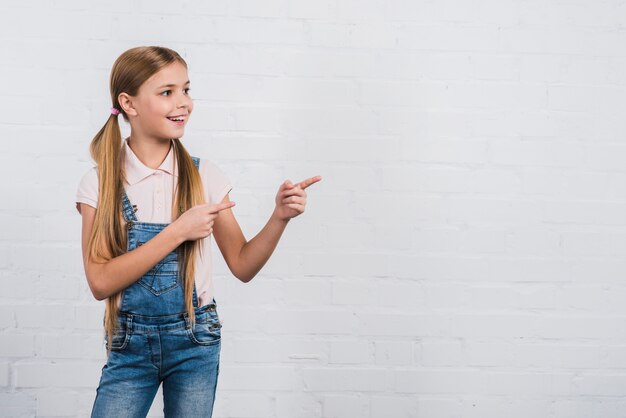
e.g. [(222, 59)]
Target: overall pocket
[(163, 277), (207, 331), (120, 339)]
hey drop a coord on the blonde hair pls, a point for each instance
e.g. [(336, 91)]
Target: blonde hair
[(109, 234)]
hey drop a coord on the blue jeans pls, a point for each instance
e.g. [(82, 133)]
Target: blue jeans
[(149, 350)]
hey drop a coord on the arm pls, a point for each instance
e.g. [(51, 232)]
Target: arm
[(106, 279), (245, 258)]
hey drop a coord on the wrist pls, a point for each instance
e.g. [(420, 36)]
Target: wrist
[(174, 234), (278, 219)]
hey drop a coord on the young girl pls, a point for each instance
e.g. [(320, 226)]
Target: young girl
[(149, 209)]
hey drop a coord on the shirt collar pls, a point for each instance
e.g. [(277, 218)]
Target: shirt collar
[(137, 171)]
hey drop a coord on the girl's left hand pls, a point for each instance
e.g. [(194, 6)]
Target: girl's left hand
[(291, 198)]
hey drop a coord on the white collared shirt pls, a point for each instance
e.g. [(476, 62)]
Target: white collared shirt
[(151, 190)]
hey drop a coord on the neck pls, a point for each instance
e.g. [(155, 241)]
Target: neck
[(150, 153)]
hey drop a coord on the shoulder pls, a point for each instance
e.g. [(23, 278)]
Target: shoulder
[(87, 191), (216, 182), (89, 177), (209, 169), (207, 165)]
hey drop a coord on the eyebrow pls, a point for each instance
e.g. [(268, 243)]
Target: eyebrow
[(172, 85)]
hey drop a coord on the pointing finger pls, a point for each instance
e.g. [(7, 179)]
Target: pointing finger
[(221, 206), (311, 180)]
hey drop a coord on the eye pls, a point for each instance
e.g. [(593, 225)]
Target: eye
[(186, 90)]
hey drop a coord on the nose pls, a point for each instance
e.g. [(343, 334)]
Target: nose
[(182, 103), (185, 102)]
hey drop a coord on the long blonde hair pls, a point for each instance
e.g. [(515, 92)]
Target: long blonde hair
[(109, 234)]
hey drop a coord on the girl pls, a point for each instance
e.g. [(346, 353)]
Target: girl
[(149, 209)]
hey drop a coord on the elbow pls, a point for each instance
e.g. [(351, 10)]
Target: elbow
[(239, 272), (243, 277), (238, 267), (94, 285), (96, 277), (96, 291), (98, 296)]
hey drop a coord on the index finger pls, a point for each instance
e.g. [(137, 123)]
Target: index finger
[(221, 206), (311, 180)]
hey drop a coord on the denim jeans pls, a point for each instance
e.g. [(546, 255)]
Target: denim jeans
[(149, 350)]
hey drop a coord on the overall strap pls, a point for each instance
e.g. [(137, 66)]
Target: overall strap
[(127, 209)]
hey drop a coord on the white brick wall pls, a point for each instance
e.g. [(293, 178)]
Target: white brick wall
[(461, 258)]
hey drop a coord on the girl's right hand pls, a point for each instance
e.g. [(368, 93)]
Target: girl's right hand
[(197, 222)]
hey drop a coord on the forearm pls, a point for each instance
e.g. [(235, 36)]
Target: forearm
[(255, 253), (124, 270)]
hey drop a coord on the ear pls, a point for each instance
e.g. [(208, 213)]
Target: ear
[(126, 103)]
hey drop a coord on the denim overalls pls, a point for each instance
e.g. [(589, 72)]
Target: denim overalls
[(154, 342)]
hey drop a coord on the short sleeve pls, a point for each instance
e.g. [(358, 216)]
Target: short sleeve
[(216, 181), (88, 189)]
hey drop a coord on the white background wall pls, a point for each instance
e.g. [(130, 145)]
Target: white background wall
[(463, 255)]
